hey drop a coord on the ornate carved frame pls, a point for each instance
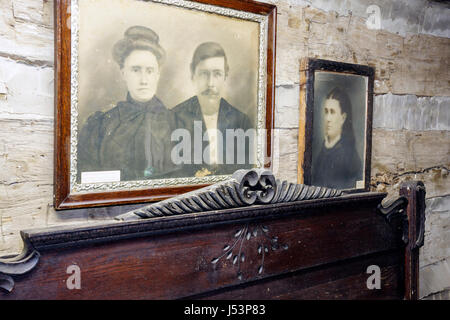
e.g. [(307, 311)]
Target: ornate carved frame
[(67, 193)]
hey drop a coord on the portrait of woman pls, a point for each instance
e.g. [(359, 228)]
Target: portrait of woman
[(132, 137), (337, 164)]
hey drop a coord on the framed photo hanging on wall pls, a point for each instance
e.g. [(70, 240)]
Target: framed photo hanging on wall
[(156, 98), (335, 133)]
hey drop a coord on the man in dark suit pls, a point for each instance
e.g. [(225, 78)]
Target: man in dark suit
[(226, 145)]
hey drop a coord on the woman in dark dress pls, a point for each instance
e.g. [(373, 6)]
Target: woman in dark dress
[(338, 164), (134, 136)]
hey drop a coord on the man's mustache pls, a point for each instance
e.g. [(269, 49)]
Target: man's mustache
[(210, 92)]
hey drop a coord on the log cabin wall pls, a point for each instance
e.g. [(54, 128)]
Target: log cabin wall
[(409, 52)]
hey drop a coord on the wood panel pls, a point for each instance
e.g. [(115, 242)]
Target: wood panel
[(169, 264), (341, 280), (310, 249)]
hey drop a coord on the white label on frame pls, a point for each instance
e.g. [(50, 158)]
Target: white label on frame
[(360, 184), (100, 176)]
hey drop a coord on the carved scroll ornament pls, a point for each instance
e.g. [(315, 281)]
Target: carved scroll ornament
[(244, 188), (16, 266)]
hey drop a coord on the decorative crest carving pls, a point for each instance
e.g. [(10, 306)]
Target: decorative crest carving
[(244, 188), (241, 244)]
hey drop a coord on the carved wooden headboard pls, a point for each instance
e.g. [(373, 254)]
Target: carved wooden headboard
[(251, 237)]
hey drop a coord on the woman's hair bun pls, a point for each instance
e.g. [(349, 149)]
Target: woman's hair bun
[(137, 38), (140, 32)]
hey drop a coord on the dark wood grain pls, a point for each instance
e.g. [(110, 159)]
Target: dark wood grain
[(271, 72), (63, 198), (59, 237), (62, 101), (415, 193), (311, 249), (341, 280), (171, 257)]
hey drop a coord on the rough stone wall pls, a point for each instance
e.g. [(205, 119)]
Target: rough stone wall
[(411, 135)]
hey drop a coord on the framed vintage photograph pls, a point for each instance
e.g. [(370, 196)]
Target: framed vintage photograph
[(335, 131), (154, 98)]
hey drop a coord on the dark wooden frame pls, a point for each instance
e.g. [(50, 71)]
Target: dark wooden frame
[(63, 199), (308, 67)]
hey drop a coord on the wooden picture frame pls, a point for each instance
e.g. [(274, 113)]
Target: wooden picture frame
[(84, 85), (320, 79)]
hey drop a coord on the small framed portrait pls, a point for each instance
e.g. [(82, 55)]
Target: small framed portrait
[(335, 132), (160, 97)]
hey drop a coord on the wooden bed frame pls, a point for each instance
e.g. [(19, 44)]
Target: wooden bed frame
[(294, 242)]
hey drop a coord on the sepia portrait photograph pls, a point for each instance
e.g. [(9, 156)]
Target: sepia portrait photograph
[(339, 133), (165, 93)]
